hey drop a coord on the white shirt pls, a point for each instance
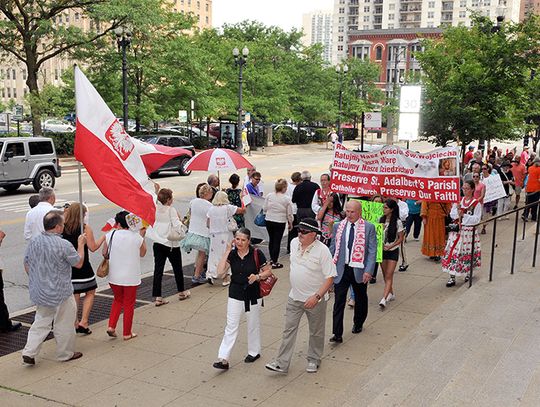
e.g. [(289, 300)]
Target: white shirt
[(289, 192), (125, 257), (33, 225), (165, 216), (278, 208), (197, 222), (219, 216), (310, 269), (403, 210), (347, 230)]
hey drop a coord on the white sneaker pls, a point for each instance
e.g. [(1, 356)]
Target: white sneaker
[(390, 297), (273, 366), (312, 367), (382, 304)]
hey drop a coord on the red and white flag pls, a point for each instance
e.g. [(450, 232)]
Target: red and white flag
[(109, 155), (154, 155)]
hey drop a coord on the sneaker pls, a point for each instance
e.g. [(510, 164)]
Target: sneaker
[(382, 304), (274, 367), (199, 280), (416, 239), (351, 303), (451, 282), (390, 297), (226, 281), (312, 367), (467, 278), (28, 360), (210, 281)]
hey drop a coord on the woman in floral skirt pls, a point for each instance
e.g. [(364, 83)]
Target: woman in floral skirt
[(457, 255)]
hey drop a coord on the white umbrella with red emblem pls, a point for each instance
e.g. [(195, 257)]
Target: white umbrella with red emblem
[(217, 159)]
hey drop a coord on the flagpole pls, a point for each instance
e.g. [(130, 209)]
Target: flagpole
[(80, 196)]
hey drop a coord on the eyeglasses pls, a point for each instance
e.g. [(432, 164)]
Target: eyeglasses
[(256, 179), (304, 231), (476, 176), (484, 168)]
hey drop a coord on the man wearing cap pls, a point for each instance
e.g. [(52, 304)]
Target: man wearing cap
[(532, 190), (507, 178), (311, 276), (355, 250)]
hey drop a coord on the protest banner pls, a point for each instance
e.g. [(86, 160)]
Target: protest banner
[(494, 188), (396, 172), (372, 212)]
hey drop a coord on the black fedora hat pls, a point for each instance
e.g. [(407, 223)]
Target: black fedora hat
[(309, 224)]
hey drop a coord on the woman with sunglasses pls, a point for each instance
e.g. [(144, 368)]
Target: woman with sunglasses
[(393, 236), (462, 243), (248, 266)]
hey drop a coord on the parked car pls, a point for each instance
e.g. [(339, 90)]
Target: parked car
[(180, 142), (28, 160), (310, 133), (57, 126), (195, 135)]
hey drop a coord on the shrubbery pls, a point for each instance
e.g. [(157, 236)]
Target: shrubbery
[(288, 135), (349, 134)]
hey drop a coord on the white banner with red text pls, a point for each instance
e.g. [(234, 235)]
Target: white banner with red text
[(397, 172)]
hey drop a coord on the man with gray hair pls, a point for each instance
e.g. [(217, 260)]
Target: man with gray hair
[(33, 225), (48, 261), (213, 181), (303, 196)]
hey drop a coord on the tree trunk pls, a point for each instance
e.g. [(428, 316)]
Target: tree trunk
[(32, 83)]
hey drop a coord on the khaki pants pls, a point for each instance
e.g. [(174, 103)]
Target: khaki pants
[(63, 316), (316, 321)]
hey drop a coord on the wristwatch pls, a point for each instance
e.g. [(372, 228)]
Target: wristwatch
[(317, 296)]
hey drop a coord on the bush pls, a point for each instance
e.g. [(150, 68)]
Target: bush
[(288, 135), (321, 135), (200, 143), (63, 142), (349, 134)]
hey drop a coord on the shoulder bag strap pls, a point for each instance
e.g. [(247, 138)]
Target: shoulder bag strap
[(256, 256), (444, 209), (110, 245)]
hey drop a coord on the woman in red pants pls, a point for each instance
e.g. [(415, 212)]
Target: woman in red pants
[(125, 249)]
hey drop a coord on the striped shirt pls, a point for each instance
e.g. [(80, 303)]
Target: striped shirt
[(49, 259)]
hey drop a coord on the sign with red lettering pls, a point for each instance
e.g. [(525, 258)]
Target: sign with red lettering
[(396, 172)]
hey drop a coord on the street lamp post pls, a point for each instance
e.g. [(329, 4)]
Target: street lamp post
[(123, 39), (341, 71), (240, 61)]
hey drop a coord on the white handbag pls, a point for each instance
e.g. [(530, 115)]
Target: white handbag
[(174, 235)]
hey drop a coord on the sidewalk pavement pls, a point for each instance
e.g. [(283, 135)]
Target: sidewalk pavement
[(170, 363)]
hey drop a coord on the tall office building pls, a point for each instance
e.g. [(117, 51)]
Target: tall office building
[(359, 15), (13, 74), (317, 27)]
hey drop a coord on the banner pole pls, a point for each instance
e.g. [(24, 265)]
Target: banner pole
[(80, 196)]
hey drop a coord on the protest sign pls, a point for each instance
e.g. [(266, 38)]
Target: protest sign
[(494, 188), (372, 212), (396, 172)]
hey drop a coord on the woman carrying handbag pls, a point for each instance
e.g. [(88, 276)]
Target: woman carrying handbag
[(167, 233)]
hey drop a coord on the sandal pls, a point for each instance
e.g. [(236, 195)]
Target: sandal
[(184, 295), (160, 301), (277, 266), (111, 332), (127, 338), (82, 330)]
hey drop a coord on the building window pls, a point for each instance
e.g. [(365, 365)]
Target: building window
[(487, 2), (14, 74), (342, 10), (198, 5), (24, 74), (366, 27), (56, 74), (9, 93), (390, 26), (378, 53), (463, 3), (390, 16), (462, 14), (366, 19), (340, 38), (207, 7), (207, 20), (340, 48), (8, 74), (475, 3), (430, 25), (340, 29), (366, 9), (77, 16), (341, 1), (430, 14), (341, 20), (67, 18), (14, 92), (431, 4), (3, 93)]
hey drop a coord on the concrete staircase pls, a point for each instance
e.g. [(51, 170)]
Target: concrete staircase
[(481, 347)]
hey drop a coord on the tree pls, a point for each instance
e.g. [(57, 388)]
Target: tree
[(32, 32), (475, 80)]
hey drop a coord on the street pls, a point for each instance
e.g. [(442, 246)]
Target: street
[(273, 163)]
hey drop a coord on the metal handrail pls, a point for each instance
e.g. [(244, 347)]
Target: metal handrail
[(493, 238)]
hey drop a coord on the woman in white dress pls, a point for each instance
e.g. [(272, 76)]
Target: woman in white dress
[(461, 243), (221, 225), (197, 237)]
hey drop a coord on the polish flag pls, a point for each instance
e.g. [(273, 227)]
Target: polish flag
[(154, 155), (109, 155)]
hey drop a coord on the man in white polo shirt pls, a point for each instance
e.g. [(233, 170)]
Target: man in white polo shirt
[(33, 225), (312, 274)]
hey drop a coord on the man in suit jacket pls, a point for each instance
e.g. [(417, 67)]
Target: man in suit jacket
[(355, 263)]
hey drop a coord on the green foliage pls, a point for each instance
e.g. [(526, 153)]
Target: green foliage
[(321, 135), (64, 143), (349, 133), (477, 81)]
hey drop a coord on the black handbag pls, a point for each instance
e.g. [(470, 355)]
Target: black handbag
[(449, 224)]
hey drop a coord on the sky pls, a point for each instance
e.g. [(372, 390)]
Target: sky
[(283, 13)]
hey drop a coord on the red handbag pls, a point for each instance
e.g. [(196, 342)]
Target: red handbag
[(268, 283)]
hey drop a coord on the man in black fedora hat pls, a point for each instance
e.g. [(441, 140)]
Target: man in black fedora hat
[(312, 274)]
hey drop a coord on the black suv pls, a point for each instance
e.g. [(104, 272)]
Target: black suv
[(177, 163)]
